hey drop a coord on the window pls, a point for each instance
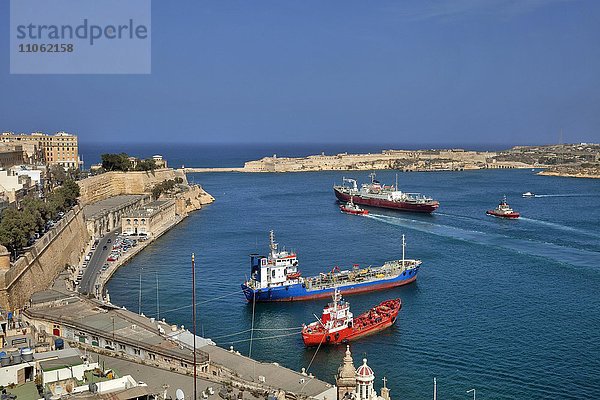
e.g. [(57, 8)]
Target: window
[(136, 352), (121, 347)]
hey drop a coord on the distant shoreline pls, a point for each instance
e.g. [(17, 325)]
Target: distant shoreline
[(572, 174), (573, 156)]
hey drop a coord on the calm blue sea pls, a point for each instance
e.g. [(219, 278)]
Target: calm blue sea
[(510, 308)]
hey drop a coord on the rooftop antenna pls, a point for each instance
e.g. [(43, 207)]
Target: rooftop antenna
[(194, 320), (396, 181)]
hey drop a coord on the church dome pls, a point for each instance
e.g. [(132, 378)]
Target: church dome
[(364, 373)]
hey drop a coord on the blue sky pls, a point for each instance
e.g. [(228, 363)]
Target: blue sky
[(407, 72)]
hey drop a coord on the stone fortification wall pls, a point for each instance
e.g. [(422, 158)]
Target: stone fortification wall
[(192, 199), (109, 184), (43, 261)]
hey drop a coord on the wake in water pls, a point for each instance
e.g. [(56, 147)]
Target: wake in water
[(562, 254), (567, 195), (559, 226), (554, 225)]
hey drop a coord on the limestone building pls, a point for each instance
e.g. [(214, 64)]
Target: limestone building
[(150, 219), (11, 155), (61, 148), (159, 161), (358, 384)]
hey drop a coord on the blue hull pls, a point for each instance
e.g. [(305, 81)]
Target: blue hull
[(299, 292)]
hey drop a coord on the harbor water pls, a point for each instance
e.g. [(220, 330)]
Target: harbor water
[(509, 307)]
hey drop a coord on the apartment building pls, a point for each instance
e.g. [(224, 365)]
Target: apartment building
[(61, 148)]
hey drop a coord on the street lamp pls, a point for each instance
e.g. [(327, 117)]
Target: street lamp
[(472, 390)]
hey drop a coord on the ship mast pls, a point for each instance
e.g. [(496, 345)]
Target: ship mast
[(403, 249), (272, 245), (372, 176)]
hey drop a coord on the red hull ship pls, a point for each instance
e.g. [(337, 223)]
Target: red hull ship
[(337, 325), (503, 211), (351, 208), (376, 195)]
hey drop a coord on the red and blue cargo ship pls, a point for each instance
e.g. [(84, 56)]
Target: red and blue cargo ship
[(276, 277)]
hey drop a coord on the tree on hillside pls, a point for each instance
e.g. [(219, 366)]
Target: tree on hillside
[(56, 174), (37, 210), (116, 162), (71, 192), (146, 165), (17, 226), (16, 229)]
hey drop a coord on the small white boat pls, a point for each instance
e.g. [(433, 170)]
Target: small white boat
[(528, 194)]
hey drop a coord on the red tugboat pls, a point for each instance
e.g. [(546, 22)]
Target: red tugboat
[(503, 211), (337, 324), (351, 208)]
